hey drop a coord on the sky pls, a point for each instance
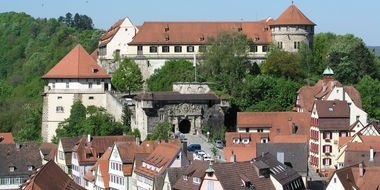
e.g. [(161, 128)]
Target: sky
[(358, 17)]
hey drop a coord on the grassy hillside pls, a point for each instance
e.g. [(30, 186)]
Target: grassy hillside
[(29, 48)]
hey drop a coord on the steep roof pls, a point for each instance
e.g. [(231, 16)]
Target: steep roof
[(350, 177), (48, 150), (292, 16), (110, 33), (198, 32), (195, 170), (77, 64), (6, 138), (103, 167), (332, 109), (19, 156), (50, 176)]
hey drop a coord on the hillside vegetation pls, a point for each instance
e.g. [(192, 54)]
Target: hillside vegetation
[(29, 48)]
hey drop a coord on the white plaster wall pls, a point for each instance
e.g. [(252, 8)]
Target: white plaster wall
[(217, 185), (61, 162), (275, 183), (177, 161), (334, 186), (141, 120), (114, 107)]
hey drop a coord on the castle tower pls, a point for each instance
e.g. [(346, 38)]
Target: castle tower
[(291, 29), (75, 77)]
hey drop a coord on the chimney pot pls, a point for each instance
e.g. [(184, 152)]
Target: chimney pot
[(371, 154), (361, 170), (88, 138)]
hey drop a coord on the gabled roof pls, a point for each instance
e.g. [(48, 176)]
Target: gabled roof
[(195, 170), (350, 177), (332, 109), (111, 32), (6, 138), (50, 176), (102, 166), (292, 16), (48, 150), (77, 64), (198, 32)]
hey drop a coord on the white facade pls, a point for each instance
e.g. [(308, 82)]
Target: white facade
[(356, 113), (119, 42), (115, 169), (60, 158), (334, 183), (60, 95), (78, 171)]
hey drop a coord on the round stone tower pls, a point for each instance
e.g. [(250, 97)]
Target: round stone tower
[(291, 29)]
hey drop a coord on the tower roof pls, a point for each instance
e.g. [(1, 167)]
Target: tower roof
[(328, 71), (293, 16), (77, 64)]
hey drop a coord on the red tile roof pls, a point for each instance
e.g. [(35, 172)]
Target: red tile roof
[(290, 139), (351, 179), (77, 64), (103, 167), (332, 109), (242, 153), (292, 16), (107, 36), (198, 32), (6, 138)]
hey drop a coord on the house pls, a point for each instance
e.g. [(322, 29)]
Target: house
[(122, 161), (157, 42), (48, 152), (330, 89), (6, 138), (191, 176), (115, 40), (263, 172), (50, 176), (357, 176), (98, 176), (88, 150), (151, 173), (64, 153), (17, 162), (241, 147), (330, 120), (293, 155), (273, 123), (77, 76)]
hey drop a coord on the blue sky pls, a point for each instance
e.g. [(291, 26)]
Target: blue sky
[(360, 18)]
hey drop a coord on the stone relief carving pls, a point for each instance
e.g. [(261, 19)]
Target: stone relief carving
[(184, 109)]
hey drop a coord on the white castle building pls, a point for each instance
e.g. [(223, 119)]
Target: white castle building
[(76, 77), (153, 43)]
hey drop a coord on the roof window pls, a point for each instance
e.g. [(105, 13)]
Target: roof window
[(95, 70), (331, 109)]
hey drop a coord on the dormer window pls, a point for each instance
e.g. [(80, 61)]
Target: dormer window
[(245, 141), (185, 177), (196, 180), (95, 70), (11, 168), (236, 140), (30, 168), (331, 109)]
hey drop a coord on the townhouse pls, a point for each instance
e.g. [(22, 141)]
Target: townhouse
[(64, 153)]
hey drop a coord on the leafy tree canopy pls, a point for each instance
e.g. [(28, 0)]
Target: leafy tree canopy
[(127, 77), (161, 132), (172, 71), (369, 92)]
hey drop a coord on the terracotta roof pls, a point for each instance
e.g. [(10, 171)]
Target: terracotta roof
[(242, 153), (111, 32), (50, 176), (253, 138), (198, 32), (279, 123), (344, 140), (321, 90), (89, 152), (77, 64), (95, 54), (20, 156), (68, 145), (290, 139), (293, 16), (103, 167), (6, 138), (350, 177), (332, 109), (48, 150)]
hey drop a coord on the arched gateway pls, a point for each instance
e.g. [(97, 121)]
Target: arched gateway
[(184, 126)]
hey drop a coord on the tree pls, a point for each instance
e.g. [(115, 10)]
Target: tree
[(31, 128), (322, 43), (369, 91), (126, 118), (127, 77), (73, 126), (161, 132), (226, 61), (173, 71), (281, 63), (350, 59)]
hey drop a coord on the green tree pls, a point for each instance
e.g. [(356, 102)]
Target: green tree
[(127, 77), (226, 61), (161, 132), (31, 128), (322, 43), (369, 91), (73, 126), (173, 71), (126, 118), (281, 63)]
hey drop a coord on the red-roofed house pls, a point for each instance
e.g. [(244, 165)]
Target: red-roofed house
[(6, 138), (77, 76)]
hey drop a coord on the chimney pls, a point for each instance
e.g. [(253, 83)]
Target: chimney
[(18, 146), (184, 147), (88, 138), (361, 170), (137, 141), (280, 157), (232, 157), (371, 154), (294, 128)]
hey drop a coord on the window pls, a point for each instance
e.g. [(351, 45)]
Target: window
[(343, 134), (190, 48), (53, 85), (59, 97), (327, 135), (260, 130), (327, 148), (279, 28), (265, 48), (11, 168), (177, 49), (139, 48), (153, 49), (253, 48), (165, 49), (326, 161), (210, 185), (279, 45), (264, 140), (185, 177), (297, 45), (90, 97), (90, 85), (245, 141), (287, 28), (61, 155), (59, 109), (30, 168), (196, 180), (236, 140), (334, 179)]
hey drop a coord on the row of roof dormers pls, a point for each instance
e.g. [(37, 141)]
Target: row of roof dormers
[(199, 32)]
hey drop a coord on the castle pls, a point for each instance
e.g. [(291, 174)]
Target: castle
[(153, 43)]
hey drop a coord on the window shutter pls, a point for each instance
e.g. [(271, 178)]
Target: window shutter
[(324, 135), (330, 148), (324, 149), (324, 161)]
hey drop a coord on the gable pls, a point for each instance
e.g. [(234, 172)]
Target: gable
[(115, 155)]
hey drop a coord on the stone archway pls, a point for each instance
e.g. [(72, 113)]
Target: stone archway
[(184, 126)]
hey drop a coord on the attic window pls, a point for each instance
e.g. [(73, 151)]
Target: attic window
[(245, 141), (331, 109), (236, 140), (185, 177), (11, 168), (95, 70), (166, 28), (257, 38), (30, 168), (202, 38), (240, 29), (167, 38)]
